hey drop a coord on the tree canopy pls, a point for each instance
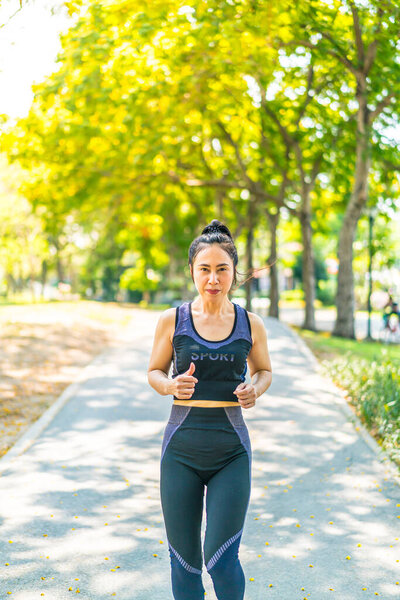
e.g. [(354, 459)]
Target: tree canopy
[(162, 116)]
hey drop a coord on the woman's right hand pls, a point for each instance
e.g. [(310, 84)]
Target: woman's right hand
[(182, 386)]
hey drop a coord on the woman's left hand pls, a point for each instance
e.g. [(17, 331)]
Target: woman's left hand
[(246, 394)]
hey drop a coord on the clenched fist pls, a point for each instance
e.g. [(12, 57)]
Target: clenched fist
[(246, 394), (183, 385)]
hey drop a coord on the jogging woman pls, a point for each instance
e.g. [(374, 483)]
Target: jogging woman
[(206, 442)]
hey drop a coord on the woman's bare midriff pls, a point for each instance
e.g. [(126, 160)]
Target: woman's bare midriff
[(205, 403)]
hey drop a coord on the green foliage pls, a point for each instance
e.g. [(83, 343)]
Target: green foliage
[(326, 292), (369, 372), (374, 389), (320, 270), (24, 244), (296, 295), (163, 116)]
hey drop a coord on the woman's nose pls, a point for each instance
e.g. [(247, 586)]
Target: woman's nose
[(213, 277)]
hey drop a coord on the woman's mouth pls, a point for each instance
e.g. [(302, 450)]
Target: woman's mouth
[(212, 291)]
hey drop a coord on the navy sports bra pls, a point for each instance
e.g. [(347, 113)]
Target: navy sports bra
[(220, 365)]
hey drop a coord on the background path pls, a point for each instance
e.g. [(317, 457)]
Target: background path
[(80, 508), (325, 321)]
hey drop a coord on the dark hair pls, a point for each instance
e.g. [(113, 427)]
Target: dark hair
[(217, 233)]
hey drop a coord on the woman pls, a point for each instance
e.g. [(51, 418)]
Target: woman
[(206, 442)]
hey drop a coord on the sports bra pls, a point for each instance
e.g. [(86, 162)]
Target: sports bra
[(220, 365)]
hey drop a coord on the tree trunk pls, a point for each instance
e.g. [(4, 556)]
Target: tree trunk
[(60, 268), (249, 252), (308, 267), (273, 272), (344, 326), (11, 285), (59, 263), (43, 277), (219, 197), (31, 284)]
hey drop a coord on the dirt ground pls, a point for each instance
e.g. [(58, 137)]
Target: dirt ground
[(43, 347)]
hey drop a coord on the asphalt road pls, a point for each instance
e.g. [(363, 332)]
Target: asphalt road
[(80, 511)]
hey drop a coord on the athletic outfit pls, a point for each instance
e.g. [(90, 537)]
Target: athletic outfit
[(207, 444)]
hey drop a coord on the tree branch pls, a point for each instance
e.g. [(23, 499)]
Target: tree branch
[(195, 182), (370, 56), (380, 107), (204, 161), (239, 218), (339, 55), (316, 168), (223, 183), (287, 138), (265, 106), (12, 16), (391, 166), (372, 48), (357, 34), (267, 146), (237, 154), (299, 157), (308, 98)]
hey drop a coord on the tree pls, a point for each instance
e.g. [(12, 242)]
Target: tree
[(166, 110), (24, 247), (363, 38)]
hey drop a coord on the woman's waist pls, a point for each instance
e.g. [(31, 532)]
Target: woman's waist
[(200, 417), (215, 391), (205, 403)]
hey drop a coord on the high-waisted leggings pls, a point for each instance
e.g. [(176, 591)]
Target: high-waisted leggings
[(205, 448)]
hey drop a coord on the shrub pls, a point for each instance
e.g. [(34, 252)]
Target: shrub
[(374, 390)]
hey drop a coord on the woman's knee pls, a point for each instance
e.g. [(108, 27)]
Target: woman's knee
[(226, 555), (227, 574), (186, 580)]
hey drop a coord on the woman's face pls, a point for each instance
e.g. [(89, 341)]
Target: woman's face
[(213, 271)]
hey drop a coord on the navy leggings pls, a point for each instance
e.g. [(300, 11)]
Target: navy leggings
[(205, 449)]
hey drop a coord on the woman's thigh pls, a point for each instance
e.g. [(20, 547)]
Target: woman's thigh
[(227, 499), (182, 493)]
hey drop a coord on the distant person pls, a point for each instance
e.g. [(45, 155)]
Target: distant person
[(391, 308), (206, 443)]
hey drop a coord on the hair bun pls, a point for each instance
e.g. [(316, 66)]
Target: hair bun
[(216, 227)]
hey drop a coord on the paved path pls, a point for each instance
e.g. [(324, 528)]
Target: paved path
[(80, 507), (325, 321)]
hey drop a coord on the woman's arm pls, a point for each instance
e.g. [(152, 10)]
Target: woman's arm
[(162, 352), (258, 359), (259, 365), (181, 386)]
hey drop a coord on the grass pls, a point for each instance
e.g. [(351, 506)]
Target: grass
[(326, 346)]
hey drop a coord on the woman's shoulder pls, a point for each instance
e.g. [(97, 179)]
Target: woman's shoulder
[(168, 315), (167, 321), (256, 324), (254, 317)]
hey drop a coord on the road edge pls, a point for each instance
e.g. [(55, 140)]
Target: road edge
[(31, 434)]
